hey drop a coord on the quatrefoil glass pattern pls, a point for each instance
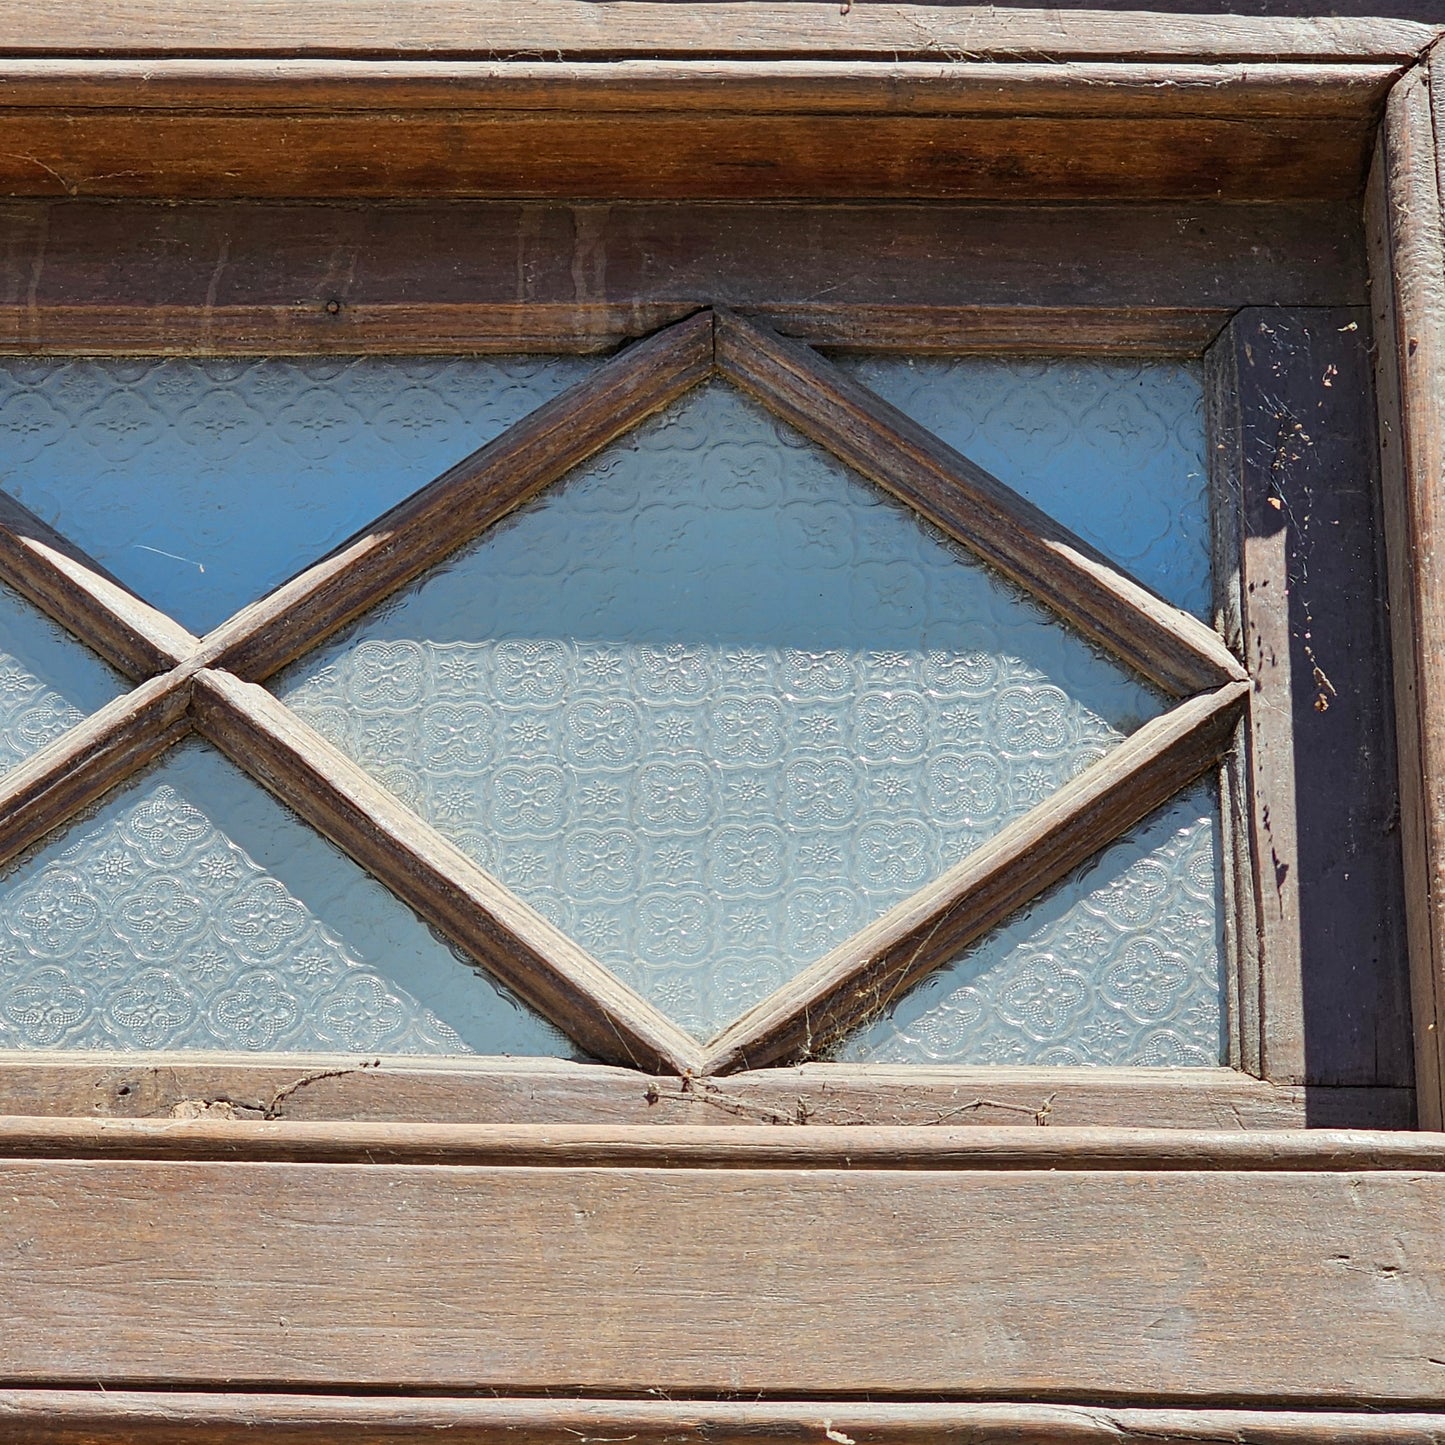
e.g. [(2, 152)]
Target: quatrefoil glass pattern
[(1120, 964), (204, 484), (48, 680), (714, 702), (190, 910), (1113, 450)]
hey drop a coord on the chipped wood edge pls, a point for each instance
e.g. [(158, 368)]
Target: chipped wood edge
[(512, 940), (1406, 241), (78, 593), (861, 976), (53, 785), (469, 497), (1176, 651), (738, 1146)]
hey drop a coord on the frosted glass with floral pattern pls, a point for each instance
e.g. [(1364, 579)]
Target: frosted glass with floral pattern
[(190, 910), (1121, 964), (714, 702), (48, 680), (203, 484), (1112, 449)]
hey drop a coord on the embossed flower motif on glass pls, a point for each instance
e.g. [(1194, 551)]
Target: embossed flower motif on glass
[(189, 910), (713, 702)]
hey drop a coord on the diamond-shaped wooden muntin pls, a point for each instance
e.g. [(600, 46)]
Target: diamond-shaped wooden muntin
[(209, 684)]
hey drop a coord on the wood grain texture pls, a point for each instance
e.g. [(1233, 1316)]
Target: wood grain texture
[(136, 277), (1170, 647), (856, 980), (512, 940), (1133, 1286), (51, 786), (570, 29), (134, 1417), (1298, 466), (1407, 246), (769, 86), (134, 637), (853, 1149), (338, 1087), (479, 490), (664, 156)]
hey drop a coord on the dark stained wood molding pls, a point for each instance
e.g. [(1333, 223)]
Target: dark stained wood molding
[(144, 277), (1406, 238), (49, 788), (574, 29), (385, 837), (134, 637), (856, 980), (130, 1417), (478, 491), (655, 155), (324, 1087), (1173, 649)]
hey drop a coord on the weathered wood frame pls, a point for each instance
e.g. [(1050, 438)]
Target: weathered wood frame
[(1335, 1240), (67, 305)]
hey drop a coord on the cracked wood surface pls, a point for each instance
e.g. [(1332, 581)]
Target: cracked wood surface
[(558, 1092), (1125, 1283)]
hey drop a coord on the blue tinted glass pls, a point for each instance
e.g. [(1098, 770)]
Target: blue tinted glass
[(204, 484), (48, 680), (714, 702), (1121, 964), (1112, 449), (190, 910)]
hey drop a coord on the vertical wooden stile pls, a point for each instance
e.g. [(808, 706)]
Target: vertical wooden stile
[(1316, 888), (1407, 254)]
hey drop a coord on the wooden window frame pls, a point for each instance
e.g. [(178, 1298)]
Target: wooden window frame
[(1314, 1228)]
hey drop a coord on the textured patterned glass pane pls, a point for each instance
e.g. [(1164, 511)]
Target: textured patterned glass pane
[(1121, 964), (190, 910), (48, 680), (714, 703), (1113, 450), (204, 484)]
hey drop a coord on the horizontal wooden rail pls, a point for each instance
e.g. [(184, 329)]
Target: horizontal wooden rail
[(811, 86), (1136, 1285), (108, 1084), (959, 1149), (567, 29), (132, 1417)]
